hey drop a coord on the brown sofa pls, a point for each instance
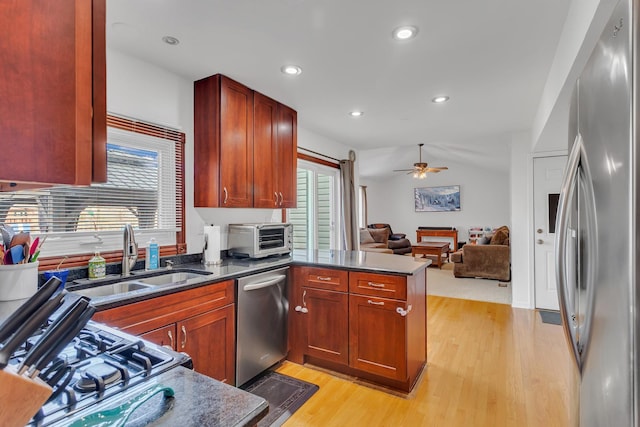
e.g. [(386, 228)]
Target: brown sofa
[(490, 261), (374, 240)]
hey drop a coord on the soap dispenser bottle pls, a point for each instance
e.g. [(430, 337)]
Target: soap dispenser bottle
[(152, 255), (97, 267)]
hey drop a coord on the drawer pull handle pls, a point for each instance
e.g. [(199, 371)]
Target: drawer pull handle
[(184, 339), (376, 285), (375, 302), (402, 312), (170, 338), (323, 279)]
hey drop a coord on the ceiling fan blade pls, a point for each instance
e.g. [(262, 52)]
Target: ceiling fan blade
[(403, 170), (437, 169)]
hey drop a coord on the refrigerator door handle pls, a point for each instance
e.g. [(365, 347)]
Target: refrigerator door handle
[(567, 195)]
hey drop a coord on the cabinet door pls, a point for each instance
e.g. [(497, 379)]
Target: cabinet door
[(162, 336), (377, 336), (47, 114), (236, 144), (265, 167), (327, 333), (286, 154), (210, 341)]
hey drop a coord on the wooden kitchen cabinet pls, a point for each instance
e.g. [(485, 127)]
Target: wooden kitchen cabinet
[(223, 143), (377, 338), (325, 324), (368, 325), (245, 147), (318, 314), (199, 322), (52, 93), (275, 154), (210, 341)]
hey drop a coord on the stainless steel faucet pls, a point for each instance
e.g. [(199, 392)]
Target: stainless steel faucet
[(129, 250)]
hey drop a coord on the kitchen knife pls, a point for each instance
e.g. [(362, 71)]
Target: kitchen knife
[(17, 318), (29, 327), (48, 340), (61, 335)]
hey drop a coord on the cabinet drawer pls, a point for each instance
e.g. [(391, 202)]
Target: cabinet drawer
[(378, 285), (324, 278)]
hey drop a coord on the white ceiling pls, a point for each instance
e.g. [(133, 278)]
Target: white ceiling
[(491, 57)]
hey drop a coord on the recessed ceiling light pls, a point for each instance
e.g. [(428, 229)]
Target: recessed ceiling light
[(291, 70), (356, 113), (170, 40), (405, 32), (440, 99)]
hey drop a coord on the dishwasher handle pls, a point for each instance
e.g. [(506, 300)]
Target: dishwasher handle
[(260, 285)]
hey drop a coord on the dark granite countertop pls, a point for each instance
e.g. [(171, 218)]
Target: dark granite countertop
[(232, 268), (198, 401)]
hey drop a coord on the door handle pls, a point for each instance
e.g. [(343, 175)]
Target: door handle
[(539, 241), (184, 336), (170, 338), (259, 285), (539, 231), (276, 198), (281, 198), (226, 195)]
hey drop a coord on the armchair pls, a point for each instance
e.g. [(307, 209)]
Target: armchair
[(398, 243), (489, 261)]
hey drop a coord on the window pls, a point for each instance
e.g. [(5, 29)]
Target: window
[(316, 219), (144, 188)]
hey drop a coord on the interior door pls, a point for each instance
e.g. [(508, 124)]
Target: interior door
[(547, 181)]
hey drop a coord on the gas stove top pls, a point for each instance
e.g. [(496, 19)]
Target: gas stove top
[(99, 363)]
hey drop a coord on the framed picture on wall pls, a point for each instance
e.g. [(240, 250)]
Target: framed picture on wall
[(437, 199)]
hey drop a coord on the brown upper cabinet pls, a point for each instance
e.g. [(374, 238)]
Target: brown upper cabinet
[(52, 93), (245, 147)]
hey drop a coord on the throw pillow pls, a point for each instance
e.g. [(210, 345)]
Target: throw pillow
[(380, 235), (365, 236), (500, 236)]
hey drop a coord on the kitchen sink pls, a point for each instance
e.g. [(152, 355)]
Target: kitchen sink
[(112, 289), (169, 278), (138, 281)]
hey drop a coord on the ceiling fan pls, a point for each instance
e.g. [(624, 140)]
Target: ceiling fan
[(421, 169)]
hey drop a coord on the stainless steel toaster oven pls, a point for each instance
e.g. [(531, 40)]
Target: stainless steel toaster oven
[(259, 240)]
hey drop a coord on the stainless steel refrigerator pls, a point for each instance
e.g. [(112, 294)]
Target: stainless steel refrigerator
[(597, 239)]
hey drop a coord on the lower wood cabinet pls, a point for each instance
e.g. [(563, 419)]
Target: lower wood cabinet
[(369, 325), (199, 322), (377, 336), (210, 341), (325, 321)]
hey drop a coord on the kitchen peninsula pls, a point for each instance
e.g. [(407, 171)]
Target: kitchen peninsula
[(379, 327)]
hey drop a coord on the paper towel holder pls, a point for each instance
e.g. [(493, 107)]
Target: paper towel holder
[(204, 250)]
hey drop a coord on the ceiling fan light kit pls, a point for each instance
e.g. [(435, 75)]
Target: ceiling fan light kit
[(420, 169)]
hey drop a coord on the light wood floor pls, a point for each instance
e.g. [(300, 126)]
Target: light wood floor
[(488, 365)]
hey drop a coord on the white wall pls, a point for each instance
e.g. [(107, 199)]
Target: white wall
[(484, 193), (521, 189), (143, 91)]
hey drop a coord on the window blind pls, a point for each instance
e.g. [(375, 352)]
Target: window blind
[(144, 188)]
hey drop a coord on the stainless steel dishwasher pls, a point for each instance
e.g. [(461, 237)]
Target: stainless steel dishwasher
[(262, 311)]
